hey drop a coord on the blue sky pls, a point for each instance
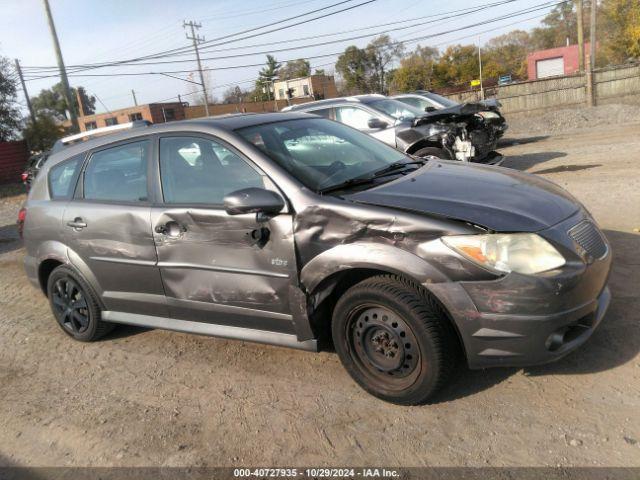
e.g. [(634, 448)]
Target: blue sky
[(97, 31)]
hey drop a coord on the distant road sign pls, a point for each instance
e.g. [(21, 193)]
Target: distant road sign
[(504, 79), (475, 83)]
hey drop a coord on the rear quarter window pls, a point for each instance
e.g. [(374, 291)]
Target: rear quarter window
[(63, 177)]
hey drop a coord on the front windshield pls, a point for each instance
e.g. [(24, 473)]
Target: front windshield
[(397, 109), (444, 101), (319, 152)]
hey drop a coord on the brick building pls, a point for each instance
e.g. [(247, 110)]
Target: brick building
[(554, 62), (153, 112)]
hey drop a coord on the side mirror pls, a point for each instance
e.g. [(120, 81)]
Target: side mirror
[(253, 200), (430, 109), (377, 123)]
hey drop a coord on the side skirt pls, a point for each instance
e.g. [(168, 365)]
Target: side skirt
[(214, 330)]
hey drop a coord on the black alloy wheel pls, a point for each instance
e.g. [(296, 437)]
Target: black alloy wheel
[(75, 305), (70, 306)]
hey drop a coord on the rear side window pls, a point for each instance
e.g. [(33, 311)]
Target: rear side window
[(118, 174), (62, 178), (415, 102), (323, 112)]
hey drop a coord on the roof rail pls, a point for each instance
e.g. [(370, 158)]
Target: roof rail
[(103, 131)]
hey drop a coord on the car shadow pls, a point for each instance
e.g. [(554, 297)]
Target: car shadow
[(567, 168), (511, 141), (9, 238), (123, 331), (528, 160)]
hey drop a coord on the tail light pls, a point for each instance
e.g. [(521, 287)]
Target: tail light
[(24, 176), (22, 216)]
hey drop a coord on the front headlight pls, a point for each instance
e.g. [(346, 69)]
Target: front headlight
[(526, 253), (488, 114)]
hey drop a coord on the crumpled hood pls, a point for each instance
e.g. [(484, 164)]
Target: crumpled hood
[(497, 198)]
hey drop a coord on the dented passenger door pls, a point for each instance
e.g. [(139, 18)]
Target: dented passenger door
[(218, 268)]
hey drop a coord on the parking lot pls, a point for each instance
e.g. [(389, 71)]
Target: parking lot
[(142, 397)]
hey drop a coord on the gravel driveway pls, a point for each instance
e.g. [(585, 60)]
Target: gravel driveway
[(143, 397)]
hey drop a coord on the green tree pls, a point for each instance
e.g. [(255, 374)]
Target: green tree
[(354, 66), (42, 133), (620, 30), (457, 66), (9, 112), (415, 71), (506, 54), (295, 69), (266, 76), (52, 101), (381, 51)]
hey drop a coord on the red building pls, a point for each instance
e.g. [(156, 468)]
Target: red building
[(553, 62)]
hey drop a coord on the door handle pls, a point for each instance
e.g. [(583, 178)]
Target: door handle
[(77, 223), (170, 229)]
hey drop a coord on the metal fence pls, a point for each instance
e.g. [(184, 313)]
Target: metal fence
[(612, 84)]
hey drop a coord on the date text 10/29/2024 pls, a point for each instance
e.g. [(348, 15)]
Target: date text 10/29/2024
[(315, 473)]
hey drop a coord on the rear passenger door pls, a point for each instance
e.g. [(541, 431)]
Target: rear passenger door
[(213, 267), (108, 231)]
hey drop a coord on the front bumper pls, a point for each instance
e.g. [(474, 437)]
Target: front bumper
[(520, 320)]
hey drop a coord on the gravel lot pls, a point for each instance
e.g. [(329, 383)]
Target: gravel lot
[(154, 398)]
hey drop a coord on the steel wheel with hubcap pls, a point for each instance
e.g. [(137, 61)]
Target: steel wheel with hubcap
[(394, 340)]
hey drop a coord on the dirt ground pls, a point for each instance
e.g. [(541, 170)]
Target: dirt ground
[(155, 398)]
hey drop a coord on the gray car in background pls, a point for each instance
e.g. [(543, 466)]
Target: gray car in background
[(483, 122), (294, 230), (402, 126)]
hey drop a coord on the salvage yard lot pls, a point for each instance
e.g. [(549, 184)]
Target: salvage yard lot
[(143, 397)]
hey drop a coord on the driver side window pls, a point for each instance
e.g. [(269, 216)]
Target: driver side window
[(355, 117), (202, 171)]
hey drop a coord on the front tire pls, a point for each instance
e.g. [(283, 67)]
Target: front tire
[(433, 152), (75, 306), (394, 340)]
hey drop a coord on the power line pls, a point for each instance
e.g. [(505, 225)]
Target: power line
[(412, 40), (443, 16), (182, 49)]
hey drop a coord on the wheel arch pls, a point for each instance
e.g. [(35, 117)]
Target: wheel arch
[(334, 271), (422, 143)]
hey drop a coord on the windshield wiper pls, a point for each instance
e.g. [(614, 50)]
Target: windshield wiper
[(388, 170), (348, 183), (396, 166)]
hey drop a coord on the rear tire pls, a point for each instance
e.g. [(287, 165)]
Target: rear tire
[(75, 306), (433, 152), (394, 340)]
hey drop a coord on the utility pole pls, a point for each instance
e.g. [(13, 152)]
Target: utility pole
[(198, 39), (26, 94), (580, 34), (80, 104), (480, 63), (592, 33), (591, 86), (135, 100), (63, 71)]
